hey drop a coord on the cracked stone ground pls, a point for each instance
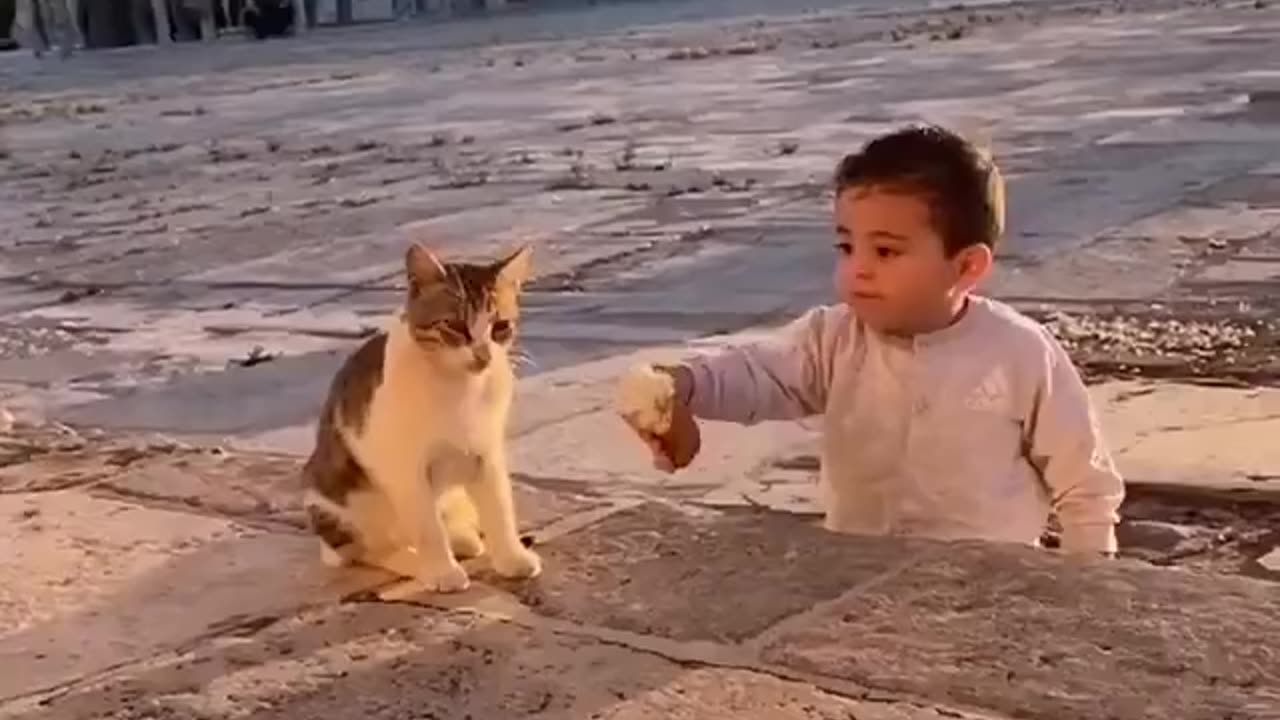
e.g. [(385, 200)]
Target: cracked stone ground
[(192, 237), (162, 580)]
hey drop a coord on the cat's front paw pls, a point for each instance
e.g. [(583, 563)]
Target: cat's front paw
[(517, 563), (450, 578)]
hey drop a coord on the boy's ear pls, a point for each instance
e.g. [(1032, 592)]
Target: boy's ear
[(973, 264)]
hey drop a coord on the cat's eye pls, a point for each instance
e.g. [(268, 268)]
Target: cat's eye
[(426, 335), (501, 330), (455, 331)]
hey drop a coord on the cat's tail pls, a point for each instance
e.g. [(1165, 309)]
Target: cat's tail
[(331, 475), (340, 546)]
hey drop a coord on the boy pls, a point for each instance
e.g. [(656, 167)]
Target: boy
[(946, 414)]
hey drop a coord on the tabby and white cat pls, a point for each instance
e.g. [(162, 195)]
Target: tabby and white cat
[(409, 471)]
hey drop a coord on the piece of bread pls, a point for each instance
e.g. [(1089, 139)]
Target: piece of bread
[(646, 399)]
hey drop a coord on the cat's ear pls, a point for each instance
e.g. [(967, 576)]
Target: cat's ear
[(513, 270), (422, 267)]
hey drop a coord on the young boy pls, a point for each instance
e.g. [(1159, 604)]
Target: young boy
[(946, 414)]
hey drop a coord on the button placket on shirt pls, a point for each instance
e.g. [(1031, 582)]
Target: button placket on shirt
[(919, 393), (905, 487)]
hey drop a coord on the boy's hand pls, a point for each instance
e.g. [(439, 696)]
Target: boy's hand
[(652, 401)]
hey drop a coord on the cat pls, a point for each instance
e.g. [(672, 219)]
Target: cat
[(409, 470)]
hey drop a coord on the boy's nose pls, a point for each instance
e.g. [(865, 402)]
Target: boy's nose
[(861, 270)]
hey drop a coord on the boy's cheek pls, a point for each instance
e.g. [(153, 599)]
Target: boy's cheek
[(843, 281)]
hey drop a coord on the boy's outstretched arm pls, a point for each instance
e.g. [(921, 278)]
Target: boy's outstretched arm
[(1067, 447), (782, 377)]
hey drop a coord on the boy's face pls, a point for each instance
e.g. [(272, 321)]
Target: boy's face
[(893, 270)]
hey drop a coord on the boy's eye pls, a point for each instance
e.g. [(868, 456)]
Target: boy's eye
[(844, 248), (501, 330), (887, 252)]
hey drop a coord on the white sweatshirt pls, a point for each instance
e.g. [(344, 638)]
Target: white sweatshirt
[(976, 431)]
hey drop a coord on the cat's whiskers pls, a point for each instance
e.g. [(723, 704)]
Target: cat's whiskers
[(521, 358)]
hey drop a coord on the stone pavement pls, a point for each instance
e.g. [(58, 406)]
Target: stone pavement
[(202, 228), (188, 250)]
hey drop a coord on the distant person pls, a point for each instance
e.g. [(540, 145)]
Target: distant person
[(268, 18), (8, 11), (40, 25), (945, 414)]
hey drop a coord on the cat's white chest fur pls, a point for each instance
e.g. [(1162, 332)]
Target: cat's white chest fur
[(472, 429), (416, 412)]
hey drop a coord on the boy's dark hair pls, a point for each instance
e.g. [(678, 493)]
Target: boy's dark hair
[(961, 184)]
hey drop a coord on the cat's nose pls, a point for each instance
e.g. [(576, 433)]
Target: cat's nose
[(480, 358)]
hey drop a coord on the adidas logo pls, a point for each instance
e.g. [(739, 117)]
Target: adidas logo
[(992, 394)]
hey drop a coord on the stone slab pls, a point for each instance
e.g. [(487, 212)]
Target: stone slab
[(384, 662), (1193, 435), (1150, 267), (1242, 270), (1047, 203), (240, 400), (1271, 560), (242, 485), (90, 583), (38, 459), (1031, 634), (787, 483), (539, 507), (1249, 191), (654, 568), (716, 694), (18, 299), (600, 333), (60, 366), (546, 399), (1229, 221)]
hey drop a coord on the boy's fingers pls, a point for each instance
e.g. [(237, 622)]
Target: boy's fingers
[(661, 459), (654, 443), (664, 453), (683, 443)]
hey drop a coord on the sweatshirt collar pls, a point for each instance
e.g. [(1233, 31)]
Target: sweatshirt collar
[(974, 306)]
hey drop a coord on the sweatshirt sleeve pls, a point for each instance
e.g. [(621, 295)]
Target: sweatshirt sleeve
[(782, 377), (1067, 447)]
